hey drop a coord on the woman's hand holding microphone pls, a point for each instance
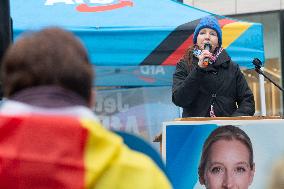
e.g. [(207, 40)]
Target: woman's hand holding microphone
[(204, 58)]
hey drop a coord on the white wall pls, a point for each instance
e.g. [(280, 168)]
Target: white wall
[(231, 7)]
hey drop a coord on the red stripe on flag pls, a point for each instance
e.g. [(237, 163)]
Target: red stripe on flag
[(41, 152), (223, 22), (179, 52)]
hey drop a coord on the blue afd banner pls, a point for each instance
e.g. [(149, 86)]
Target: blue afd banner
[(135, 33), (134, 75)]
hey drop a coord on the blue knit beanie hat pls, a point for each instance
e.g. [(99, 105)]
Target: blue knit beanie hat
[(208, 22)]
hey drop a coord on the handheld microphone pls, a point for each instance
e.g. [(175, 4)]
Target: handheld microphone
[(207, 46)]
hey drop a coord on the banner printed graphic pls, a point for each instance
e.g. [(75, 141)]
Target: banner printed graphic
[(136, 110), (94, 5)]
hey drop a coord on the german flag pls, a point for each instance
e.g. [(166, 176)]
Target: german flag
[(60, 152), (182, 38)]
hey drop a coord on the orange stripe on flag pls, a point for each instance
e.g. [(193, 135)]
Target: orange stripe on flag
[(232, 31), (101, 148)]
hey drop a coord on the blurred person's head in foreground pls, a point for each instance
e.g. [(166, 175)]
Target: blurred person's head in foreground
[(227, 159), (49, 58)]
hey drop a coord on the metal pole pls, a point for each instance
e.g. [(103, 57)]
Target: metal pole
[(262, 94)]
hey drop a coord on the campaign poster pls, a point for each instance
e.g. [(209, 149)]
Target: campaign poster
[(183, 142)]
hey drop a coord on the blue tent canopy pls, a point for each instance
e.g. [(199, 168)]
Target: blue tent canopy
[(134, 42)]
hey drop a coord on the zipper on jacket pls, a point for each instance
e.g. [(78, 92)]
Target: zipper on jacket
[(211, 112)]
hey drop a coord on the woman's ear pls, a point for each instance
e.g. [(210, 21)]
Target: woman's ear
[(201, 180), (252, 173)]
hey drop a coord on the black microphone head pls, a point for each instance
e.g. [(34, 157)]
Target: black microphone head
[(207, 46), (257, 63)]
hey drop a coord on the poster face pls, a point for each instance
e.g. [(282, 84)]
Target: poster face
[(184, 140)]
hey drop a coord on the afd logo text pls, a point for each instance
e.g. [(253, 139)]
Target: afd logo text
[(98, 5)]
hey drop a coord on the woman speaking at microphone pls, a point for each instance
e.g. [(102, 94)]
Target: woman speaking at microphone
[(206, 82)]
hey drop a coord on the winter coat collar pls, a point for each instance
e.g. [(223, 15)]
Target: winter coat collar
[(223, 61)]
